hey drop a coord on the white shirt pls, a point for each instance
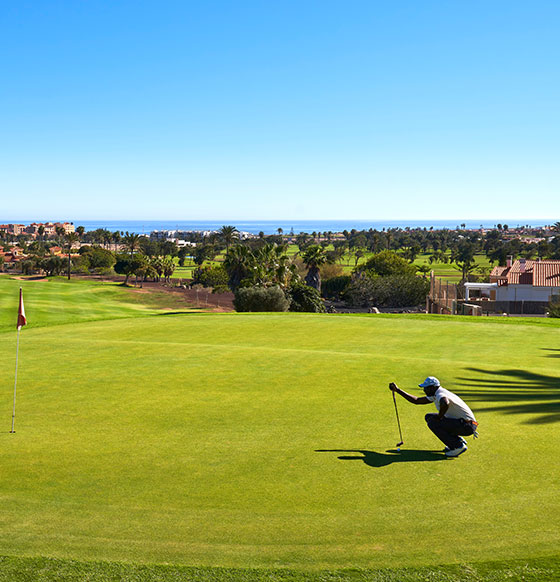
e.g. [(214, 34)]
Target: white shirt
[(457, 408)]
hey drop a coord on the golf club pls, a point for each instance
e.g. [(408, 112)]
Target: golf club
[(398, 421)]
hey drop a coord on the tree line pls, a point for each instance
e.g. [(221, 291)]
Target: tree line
[(298, 268)]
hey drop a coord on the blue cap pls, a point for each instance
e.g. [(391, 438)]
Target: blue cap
[(430, 381)]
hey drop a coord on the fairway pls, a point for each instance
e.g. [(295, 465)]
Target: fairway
[(267, 441)]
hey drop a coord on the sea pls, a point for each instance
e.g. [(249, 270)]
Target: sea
[(287, 226)]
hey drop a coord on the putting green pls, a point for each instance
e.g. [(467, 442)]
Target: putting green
[(262, 440)]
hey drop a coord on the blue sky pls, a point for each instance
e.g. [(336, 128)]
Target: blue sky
[(280, 110)]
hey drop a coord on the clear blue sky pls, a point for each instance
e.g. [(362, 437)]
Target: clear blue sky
[(271, 110)]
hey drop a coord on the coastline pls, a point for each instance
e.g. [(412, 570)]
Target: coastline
[(271, 226)]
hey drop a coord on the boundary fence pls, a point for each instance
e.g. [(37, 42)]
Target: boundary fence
[(449, 298), (444, 297)]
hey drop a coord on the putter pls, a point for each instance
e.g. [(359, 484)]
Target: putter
[(398, 421)]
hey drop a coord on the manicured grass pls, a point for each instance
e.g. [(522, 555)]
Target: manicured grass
[(267, 441), (447, 271), (183, 272), (187, 271), (56, 570), (56, 301)]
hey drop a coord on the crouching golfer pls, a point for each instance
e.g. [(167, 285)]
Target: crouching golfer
[(454, 417)]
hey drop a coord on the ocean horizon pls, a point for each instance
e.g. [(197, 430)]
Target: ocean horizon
[(287, 226)]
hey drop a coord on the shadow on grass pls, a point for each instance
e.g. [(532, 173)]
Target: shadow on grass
[(516, 392), (555, 355), (375, 459), (192, 311)]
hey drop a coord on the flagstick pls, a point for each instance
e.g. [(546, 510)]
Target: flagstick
[(15, 386)]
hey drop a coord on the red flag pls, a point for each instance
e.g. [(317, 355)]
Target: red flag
[(21, 319)]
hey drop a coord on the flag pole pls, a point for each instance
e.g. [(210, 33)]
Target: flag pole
[(15, 385), (21, 321)]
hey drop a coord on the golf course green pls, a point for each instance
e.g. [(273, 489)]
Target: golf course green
[(265, 441)]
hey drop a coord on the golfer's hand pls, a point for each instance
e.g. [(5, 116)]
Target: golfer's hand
[(392, 386)]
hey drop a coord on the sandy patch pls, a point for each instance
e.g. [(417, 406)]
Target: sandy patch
[(31, 278)]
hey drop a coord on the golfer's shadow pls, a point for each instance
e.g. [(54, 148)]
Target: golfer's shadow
[(375, 459)]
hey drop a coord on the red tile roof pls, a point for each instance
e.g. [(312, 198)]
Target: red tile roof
[(536, 273), (547, 274)]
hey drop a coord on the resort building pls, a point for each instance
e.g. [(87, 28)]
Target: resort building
[(522, 286)]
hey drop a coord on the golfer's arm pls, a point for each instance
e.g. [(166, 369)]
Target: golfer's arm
[(443, 406), (411, 397)]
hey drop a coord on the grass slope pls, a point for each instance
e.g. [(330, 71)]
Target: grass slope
[(56, 301), (266, 441)]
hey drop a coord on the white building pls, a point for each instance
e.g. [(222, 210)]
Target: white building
[(523, 281)]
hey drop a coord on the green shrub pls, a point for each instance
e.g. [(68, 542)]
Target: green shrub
[(334, 287), (220, 289), (390, 291), (554, 309), (100, 259), (28, 266), (388, 263), (127, 265), (211, 276), (52, 265), (305, 298), (260, 299)]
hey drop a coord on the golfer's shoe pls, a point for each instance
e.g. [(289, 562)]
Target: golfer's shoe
[(463, 441), (456, 452)]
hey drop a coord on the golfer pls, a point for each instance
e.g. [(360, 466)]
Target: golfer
[(453, 419)]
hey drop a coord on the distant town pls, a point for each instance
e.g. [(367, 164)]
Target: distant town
[(456, 271), (36, 229), (52, 229)]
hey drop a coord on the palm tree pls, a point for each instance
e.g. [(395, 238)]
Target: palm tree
[(116, 239), (424, 269), (410, 253), (463, 257), (107, 239), (271, 265), (313, 257), (60, 232), (131, 242), (358, 254), (168, 268), (237, 264), (338, 253), (228, 234), (156, 265), (438, 257)]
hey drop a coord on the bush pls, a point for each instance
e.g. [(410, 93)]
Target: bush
[(218, 289), (53, 265), (388, 263), (334, 287), (211, 276), (391, 291), (330, 270), (260, 299), (305, 298), (28, 267), (554, 309), (127, 265), (100, 259)]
